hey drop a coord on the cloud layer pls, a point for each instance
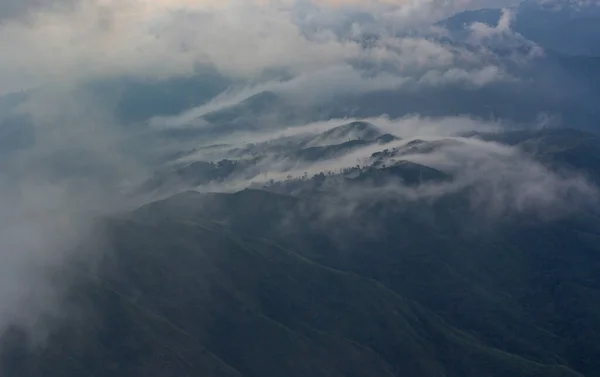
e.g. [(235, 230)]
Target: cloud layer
[(83, 40), (80, 161)]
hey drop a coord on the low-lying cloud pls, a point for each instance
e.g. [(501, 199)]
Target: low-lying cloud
[(81, 162), (498, 180), (51, 193)]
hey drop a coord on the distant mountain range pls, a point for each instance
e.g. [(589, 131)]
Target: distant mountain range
[(564, 26)]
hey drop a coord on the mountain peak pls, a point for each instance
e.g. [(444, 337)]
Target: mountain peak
[(357, 130)]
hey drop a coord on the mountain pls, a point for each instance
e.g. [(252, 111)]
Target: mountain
[(554, 84), (342, 280), (347, 132), (136, 100), (355, 194), (383, 154), (409, 173), (180, 294), (250, 160), (564, 26), (569, 149)]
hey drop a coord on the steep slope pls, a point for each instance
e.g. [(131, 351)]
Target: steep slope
[(517, 287), (181, 296), (339, 280), (352, 131)]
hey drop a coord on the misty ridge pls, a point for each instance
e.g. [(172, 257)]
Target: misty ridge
[(300, 188)]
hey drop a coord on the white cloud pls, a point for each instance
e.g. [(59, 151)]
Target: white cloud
[(504, 36), (481, 31), (476, 78), (498, 181), (76, 167), (105, 38), (503, 180), (50, 194)]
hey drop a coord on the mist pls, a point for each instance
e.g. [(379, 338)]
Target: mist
[(500, 180), (290, 70), (74, 171)]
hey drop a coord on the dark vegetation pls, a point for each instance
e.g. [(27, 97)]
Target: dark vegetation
[(264, 283), (254, 159), (320, 275)]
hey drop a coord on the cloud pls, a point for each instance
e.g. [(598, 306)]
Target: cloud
[(477, 78), (409, 63), (51, 193), (481, 30), (82, 163), (502, 180), (409, 127), (98, 39), (20, 9), (503, 36), (499, 181)]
